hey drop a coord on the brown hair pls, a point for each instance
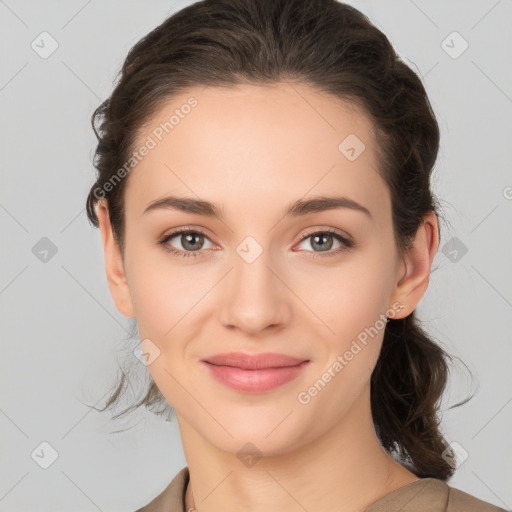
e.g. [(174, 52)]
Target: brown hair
[(334, 48)]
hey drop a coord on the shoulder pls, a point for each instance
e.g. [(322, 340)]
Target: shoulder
[(430, 495), (172, 498), (423, 495), (461, 501)]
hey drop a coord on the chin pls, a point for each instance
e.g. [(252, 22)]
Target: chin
[(261, 438)]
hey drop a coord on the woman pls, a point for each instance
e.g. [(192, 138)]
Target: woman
[(263, 196)]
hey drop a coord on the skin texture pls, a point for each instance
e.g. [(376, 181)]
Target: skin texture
[(253, 150)]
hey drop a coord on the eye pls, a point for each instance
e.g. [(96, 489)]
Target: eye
[(324, 242), (190, 242)]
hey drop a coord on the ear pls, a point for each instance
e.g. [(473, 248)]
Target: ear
[(114, 265), (414, 270)]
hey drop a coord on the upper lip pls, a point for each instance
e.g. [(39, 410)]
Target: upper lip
[(254, 361)]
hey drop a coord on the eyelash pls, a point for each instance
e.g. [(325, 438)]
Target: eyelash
[(346, 244)]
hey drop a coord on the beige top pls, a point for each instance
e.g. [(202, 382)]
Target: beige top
[(424, 495)]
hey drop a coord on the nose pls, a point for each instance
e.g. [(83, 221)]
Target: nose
[(254, 298)]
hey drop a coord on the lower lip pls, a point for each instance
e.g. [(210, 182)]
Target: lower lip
[(255, 381)]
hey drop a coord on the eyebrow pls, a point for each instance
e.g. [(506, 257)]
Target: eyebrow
[(295, 209)]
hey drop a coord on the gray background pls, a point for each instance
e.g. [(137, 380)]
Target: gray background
[(61, 333)]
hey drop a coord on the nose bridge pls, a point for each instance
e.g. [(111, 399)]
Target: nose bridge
[(253, 299)]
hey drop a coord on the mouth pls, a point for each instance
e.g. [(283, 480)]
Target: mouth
[(254, 374)]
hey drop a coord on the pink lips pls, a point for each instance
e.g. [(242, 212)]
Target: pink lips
[(254, 373)]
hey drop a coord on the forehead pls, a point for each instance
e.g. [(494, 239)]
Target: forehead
[(273, 143)]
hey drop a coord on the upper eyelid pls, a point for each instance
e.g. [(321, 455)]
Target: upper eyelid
[(182, 231), (332, 231)]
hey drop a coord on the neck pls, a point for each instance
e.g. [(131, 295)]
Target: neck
[(346, 469)]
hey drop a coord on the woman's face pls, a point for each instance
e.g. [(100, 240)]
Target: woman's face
[(253, 277)]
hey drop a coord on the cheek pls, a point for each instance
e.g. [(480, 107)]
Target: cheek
[(355, 311), (162, 293), (351, 297), (165, 302)]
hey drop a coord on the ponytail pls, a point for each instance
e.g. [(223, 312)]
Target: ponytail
[(406, 385)]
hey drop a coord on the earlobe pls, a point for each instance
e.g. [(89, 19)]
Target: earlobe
[(114, 265), (414, 276)]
